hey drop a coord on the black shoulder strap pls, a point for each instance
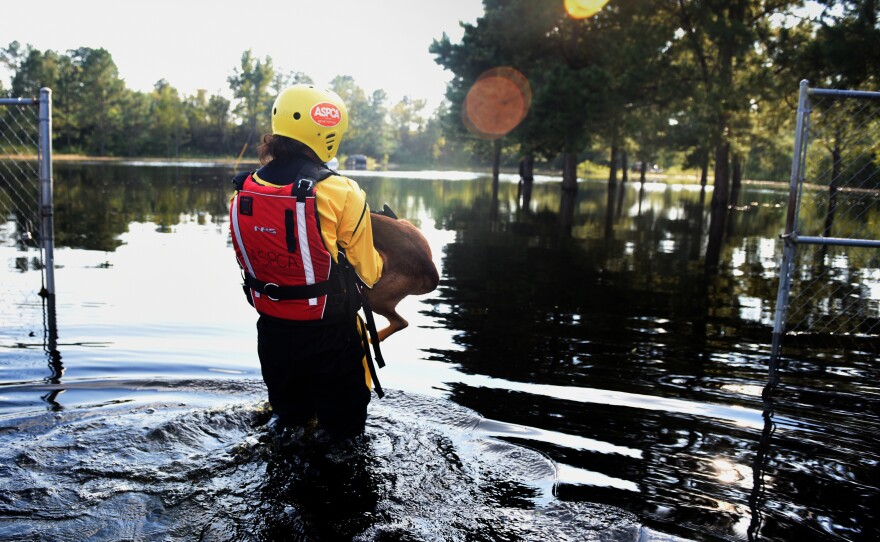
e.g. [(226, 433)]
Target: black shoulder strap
[(290, 171), (313, 171), (308, 176), (239, 179)]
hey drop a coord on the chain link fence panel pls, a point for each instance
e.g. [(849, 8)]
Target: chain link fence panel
[(832, 236), (20, 256)]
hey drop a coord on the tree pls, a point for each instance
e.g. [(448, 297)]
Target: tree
[(249, 84), (355, 100), (376, 141), (217, 116), (98, 94), (282, 80), (33, 69), (511, 33), (195, 111), (826, 57), (725, 43), (169, 119), (137, 125), (407, 123)]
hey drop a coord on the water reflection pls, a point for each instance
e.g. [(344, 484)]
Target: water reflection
[(757, 496), (50, 346), (614, 352), (95, 203)]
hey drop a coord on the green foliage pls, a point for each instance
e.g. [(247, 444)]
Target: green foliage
[(664, 80), (841, 49), (95, 114), (249, 83)]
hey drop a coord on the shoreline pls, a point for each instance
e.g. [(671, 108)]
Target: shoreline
[(680, 178)]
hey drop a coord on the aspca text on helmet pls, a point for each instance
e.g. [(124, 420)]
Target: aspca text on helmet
[(326, 114), (264, 229)]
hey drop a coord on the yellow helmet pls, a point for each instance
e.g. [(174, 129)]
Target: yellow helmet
[(314, 116)]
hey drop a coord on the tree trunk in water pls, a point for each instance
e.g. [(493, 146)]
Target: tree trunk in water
[(697, 244), (612, 190), (736, 179), (643, 170), (612, 173), (641, 198), (526, 177), (624, 176), (718, 206), (609, 211), (569, 193), (832, 190), (735, 187), (704, 171), (727, 51), (496, 167)]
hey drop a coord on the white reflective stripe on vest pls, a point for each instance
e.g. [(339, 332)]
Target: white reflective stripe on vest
[(305, 253), (241, 246)]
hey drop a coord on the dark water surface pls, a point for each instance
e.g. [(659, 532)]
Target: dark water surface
[(604, 387)]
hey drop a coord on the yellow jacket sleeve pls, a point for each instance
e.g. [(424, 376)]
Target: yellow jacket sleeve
[(345, 223)]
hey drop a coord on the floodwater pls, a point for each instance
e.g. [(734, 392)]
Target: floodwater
[(602, 387)]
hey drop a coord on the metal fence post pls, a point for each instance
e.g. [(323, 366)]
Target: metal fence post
[(788, 237), (47, 222)]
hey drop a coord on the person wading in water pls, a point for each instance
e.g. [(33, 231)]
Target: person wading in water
[(303, 238)]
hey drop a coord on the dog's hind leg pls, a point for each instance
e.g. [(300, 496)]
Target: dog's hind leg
[(388, 309)]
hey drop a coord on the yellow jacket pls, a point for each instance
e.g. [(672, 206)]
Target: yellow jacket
[(345, 223)]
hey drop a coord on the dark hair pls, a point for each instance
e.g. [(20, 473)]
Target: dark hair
[(279, 147)]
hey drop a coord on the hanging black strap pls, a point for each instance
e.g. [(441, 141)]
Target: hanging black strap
[(368, 332), (371, 327), (370, 366)]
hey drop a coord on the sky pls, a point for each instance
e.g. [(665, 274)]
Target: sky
[(197, 44)]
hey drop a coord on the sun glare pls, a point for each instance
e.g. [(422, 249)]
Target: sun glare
[(583, 9), (496, 103)]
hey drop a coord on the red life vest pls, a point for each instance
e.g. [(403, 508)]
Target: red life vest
[(276, 234)]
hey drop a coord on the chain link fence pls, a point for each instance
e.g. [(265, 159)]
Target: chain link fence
[(26, 237), (830, 276)]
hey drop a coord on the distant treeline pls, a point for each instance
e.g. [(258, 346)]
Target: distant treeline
[(95, 114)]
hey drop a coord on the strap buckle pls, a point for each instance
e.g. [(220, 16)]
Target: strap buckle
[(266, 290)]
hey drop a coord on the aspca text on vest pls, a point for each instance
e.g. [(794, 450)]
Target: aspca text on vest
[(270, 258)]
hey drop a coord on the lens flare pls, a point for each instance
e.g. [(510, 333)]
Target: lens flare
[(496, 103), (582, 9)]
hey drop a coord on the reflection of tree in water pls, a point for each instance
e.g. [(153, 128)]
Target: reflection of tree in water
[(94, 203), (534, 307), (638, 313)]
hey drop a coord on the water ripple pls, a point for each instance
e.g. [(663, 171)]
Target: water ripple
[(196, 460)]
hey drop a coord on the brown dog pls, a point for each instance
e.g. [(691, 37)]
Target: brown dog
[(408, 268)]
